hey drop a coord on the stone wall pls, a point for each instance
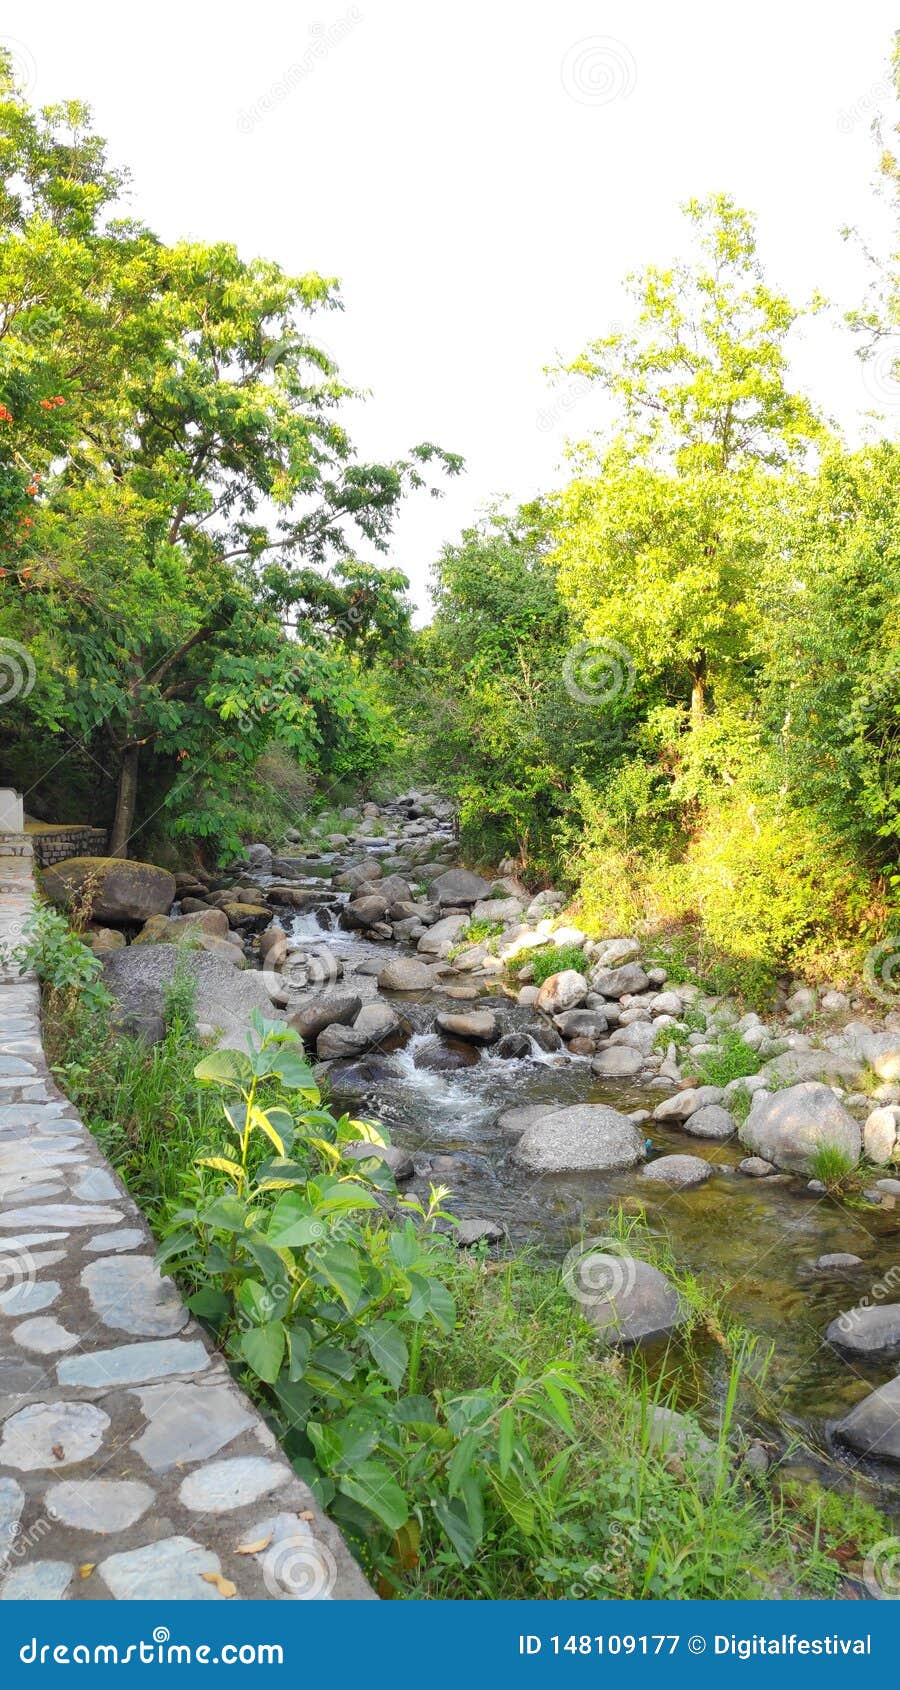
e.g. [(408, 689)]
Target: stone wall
[(57, 845)]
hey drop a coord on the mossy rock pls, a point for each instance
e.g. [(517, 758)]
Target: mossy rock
[(110, 889)]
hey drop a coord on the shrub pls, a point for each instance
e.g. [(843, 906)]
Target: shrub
[(555, 959), (836, 1170), (734, 1060)]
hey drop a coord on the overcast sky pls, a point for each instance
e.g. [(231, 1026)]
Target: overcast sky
[(480, 177)]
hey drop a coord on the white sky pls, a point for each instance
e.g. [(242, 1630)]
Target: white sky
[(481, 177)]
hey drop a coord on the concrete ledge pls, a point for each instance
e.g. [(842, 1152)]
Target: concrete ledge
[(131, 1464)]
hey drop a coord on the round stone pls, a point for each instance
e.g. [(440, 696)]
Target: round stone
[(44, 1335), (52, 1434), (99, 1505), (129, 1295), (678, 1172), (224, 1485), (37, 1581)]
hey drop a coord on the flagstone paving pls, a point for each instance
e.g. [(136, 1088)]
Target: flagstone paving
[(132, 1467)]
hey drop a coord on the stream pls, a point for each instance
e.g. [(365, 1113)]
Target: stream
[(754, 1242)]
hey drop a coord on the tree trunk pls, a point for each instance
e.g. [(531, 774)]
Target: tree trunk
[(126, 800), (698, 691)]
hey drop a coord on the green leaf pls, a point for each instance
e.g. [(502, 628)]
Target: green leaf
[(293, 1224), (388, 1350), (225, 1068), (455, 1522), (226, 1214), (506, 1440), (441, 1305), (175, 1245), (209, 1304), (518, 1506), (374, 1486), (339, 1265), (414, 1411), (299, 1347), (263, 1348)]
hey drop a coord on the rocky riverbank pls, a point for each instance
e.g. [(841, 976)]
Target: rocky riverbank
[(542, 1074)]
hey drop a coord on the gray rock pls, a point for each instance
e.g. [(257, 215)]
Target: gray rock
[(837, 1262), (222, 1486), (611, 953), (881, 1133), (44, 1336), (333, 1010), (364, 912), (188, 1424), (867, 1331), (873, 1426), (169, 1570), (480, 1025), (579, 1023), (132, 1364), (37, 1581), (756, 1167), (712, 1121), (442, 936), (225, 997), (126, 1238), (460, 886), (129, 1295), (795, 1067), (99, 1505), (586, 1136), (619, 1062), (678, 1435), (33, 1437), (616, 982), (513, 1122), (514, 1047), (476, 1230), (788, 1127), (882, 1052), (405, 974), (626, 1300), (377, 1021), (117, 889), (678, 1172), (337, 1043), (686, 1103), (28, 1296), (400, 1164), (637, 1035)]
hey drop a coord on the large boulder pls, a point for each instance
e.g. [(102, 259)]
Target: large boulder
[(687, 1102), (377, 1021), (882, 1052), (615, 982), (562, 991), (619, 1062), (330, 1010), (788, 1127), (881, 1134), (224, 996), (110, 889), (795, 1067), (582, 1137), (480, 1025), (460, 886), (873, 1426), (366, 911), (441, 938), (712, 1121), (625, 1299)]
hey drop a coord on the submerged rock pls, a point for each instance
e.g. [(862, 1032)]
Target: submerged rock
[(679, 1172), (873, 1426), (868, 1331)]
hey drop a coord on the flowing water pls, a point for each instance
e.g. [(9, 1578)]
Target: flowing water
[(754, 1242)]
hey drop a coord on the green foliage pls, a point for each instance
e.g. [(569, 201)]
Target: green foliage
[(554, 959), (733, 1060), (61, 961), (476, 931), (837, 1171), (328, 1306)]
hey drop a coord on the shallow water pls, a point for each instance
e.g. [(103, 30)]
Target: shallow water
[(753, 1242)]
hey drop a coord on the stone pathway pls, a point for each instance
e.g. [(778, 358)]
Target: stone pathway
[(131, 1465)]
